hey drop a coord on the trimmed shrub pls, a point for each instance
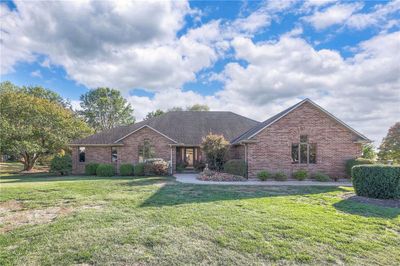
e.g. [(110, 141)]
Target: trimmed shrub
[(300, 175), (180, 167), (352, 162), (199, 166), (126, 169), (90, 168), (280, 176), (61, 164), (105, 169), (377, 181), (235, 167), (139, 169), (263, 175), (321, 177), (156, 167)]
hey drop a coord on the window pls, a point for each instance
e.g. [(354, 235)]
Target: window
[(114, 154), (146, 150), (81, 151), (304, 152)]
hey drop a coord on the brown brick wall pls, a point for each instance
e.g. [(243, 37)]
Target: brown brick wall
[(129, 153), (93, 155), (272, 150)]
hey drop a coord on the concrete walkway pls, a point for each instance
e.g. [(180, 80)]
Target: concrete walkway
[(191, 179)]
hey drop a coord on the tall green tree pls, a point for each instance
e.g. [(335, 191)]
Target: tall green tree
[(368, 152), (198, 107), (155, 113), (32, 127), (390, 146), (105, 108)]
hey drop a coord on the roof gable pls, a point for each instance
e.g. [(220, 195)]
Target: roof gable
[(260, 127)]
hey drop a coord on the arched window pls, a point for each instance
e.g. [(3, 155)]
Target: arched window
[(146, 150), (304, 152)]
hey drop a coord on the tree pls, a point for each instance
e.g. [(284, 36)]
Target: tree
[(390, 147), (174, 109), (368, 152), (215, 147), (31, 127), (155, 113), (105, 108), (198, 107)]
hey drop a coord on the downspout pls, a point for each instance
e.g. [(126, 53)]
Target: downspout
[(245, 160), (171, 171)]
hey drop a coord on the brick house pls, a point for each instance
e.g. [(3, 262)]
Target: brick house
[(304, 136)]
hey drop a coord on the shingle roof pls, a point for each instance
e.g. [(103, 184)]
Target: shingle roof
[(253, 131), (188, 127)]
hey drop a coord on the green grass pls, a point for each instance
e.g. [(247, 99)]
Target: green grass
[(161, 222)]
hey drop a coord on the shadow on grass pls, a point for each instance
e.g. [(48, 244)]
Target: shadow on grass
[(50, 178), (351, 206), (174, 193)]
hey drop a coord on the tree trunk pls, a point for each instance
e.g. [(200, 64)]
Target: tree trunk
[(29, 161)]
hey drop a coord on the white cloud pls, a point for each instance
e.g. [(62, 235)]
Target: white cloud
[(106, 43), (36, 74), (332, 15), (363, 90), (378, 17)]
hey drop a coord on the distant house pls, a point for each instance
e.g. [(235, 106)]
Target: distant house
[(304, 136)]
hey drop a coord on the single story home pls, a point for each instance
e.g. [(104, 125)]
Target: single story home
[(304, 136)]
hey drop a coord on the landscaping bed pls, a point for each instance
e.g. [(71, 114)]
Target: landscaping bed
[(209, 175)]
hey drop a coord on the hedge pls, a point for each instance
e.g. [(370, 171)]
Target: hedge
[(352, 162), (300, 175), (139, 169), (156, 167), (263, 175), (280, 176), (235, 167), (61, 164), (126, 169), (376, 181), (105, 170), (321, 177), (90, 168)]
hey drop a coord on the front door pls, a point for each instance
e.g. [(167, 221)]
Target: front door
[(189, 153)]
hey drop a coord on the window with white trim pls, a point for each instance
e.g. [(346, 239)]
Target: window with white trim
[(114, 154)]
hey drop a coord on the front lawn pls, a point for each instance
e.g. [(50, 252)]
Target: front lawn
[(91, 220)]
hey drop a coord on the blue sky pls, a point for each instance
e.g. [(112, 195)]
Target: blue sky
[(251, 57)]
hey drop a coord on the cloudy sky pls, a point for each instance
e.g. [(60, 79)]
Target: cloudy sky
[(253, 58)]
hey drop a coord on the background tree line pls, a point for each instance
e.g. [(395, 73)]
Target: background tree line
[(36, 122)]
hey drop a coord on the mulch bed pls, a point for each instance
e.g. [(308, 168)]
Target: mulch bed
[(209, 175)]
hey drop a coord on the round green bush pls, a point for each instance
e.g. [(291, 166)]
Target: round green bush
[(139, 169), (321, 177), (376, 181), (126, 169), (352, 162), (280, 176), (61, 164), (105, 170), (263, 175), (235, 167), (300, 175), (90, 168)]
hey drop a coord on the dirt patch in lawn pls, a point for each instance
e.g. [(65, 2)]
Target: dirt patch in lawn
[(13, 214), (392, 203)]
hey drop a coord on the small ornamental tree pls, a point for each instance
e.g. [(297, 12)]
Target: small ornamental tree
[(390, 147), (215, 147)]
